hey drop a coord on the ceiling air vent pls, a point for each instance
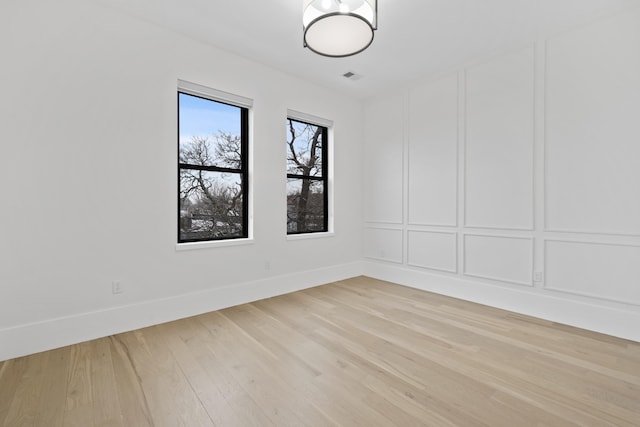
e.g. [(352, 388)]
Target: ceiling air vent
[(352, 76)]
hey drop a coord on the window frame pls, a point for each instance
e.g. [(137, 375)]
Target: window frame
[(326, 171), (244, 104)]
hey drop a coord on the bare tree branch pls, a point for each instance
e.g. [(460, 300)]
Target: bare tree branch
[(211, 202), (303, 146)]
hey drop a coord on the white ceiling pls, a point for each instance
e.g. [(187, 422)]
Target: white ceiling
[(415, 38)]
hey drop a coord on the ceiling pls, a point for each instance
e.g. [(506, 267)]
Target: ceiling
[(415, 38)]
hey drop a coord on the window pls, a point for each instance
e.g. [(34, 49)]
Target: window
[(307, 192), (212, 167)]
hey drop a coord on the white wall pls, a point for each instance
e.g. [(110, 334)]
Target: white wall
[(527, 161), (519, 177), (88, 178)]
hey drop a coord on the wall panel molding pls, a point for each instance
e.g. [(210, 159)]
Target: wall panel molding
[(383, 159), (495, 261), (601, 270), (384, 244), (499, 159), (434, 259), (432, 144), (592, 91)]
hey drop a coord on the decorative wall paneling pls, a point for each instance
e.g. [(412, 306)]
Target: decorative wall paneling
[(546, 159)]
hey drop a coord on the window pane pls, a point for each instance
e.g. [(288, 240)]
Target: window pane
[(305, 205), (304, 148), (210, 205), (209, 132)]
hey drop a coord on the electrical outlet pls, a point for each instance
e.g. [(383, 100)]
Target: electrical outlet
[(537, 276), (267, 265), (116, 287)]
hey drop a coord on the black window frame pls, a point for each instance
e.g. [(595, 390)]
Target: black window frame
[(243, 171), (324, 178)]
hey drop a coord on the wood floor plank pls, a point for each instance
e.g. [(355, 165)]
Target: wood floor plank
[(24, 404), (192, 355), (171, 400), (304, 373), (559, 381), (51, 407), (210, 353), (314, 373), (391, 333), (11, 373), (79, 402), (254, 372), (133, 403), (359, 364), (358, 352), (104, 392)]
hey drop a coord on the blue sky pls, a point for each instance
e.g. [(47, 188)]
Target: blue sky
[(203, 117)]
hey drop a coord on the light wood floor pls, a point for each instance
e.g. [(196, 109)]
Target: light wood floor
[(355, 353)]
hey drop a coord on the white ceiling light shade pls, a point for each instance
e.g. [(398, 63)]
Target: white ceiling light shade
[(339, 28)]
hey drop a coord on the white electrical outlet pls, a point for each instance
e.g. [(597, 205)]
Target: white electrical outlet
[(537, 276), (116, 287)]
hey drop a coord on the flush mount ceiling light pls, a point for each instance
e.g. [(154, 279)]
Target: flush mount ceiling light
[(339, 28)]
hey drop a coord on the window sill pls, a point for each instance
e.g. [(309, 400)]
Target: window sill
[(306, 236), (213, 244)]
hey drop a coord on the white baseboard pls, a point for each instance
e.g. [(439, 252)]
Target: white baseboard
[(538, 303), (54, 333)]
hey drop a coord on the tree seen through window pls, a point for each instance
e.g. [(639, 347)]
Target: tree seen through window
[(306, 177), (212, 169)]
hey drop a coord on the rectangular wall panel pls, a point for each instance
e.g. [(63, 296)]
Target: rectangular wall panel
[(507, 259), (433, 152), (499, 142), (592, 148), (383, 243), (434, 250), (599, 270), (383, 161)]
